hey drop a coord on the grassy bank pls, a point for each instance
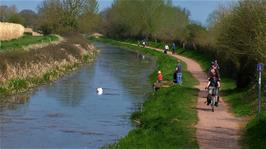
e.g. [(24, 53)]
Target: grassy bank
[(241, 105), (243, 101), (168, 116), (23, 70), (25, 41)]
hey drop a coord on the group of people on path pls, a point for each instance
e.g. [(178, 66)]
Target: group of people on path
[(213, 74), (177, 75), (213, 80), (166, 48)]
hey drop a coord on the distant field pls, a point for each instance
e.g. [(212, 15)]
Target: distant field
[(26, 40)]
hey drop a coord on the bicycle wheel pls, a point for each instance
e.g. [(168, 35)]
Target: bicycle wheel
[(212, 103)]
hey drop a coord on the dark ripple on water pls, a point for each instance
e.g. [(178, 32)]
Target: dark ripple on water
[(82, 132)]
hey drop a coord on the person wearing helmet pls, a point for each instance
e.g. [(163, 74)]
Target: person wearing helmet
[(159, 77)]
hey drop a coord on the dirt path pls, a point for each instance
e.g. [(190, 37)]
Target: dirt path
[(215, 130)]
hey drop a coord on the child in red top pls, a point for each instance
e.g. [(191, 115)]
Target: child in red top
[(159, 77)]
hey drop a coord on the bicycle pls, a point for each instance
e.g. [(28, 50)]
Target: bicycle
[(212, 97)]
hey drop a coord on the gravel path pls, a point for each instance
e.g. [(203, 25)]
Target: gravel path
[(215, 130)]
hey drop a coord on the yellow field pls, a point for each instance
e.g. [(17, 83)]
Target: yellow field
[(10, 31)]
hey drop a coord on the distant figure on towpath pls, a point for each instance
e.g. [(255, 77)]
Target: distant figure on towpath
[(166, 48), (173, 48), (179, 73)]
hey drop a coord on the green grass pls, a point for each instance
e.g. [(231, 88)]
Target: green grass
[(241, 105), (25, 41), (242, 102), (255, 133), (168, 116)]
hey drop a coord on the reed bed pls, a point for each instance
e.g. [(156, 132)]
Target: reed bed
[(10, 31), (21, 70)]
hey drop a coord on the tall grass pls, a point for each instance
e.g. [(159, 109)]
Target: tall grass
[(21, 70), (10, 31)]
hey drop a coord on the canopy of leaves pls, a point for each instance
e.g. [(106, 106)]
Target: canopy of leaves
[(61, 16), (155, 19)]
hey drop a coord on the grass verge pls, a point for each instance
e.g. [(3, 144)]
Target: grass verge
[(168, 116), (23, 70), (243, 101), (26, 40), (255, 133)]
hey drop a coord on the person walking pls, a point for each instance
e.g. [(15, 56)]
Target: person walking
[(166, 48), (174, 76), (179, 73), (174, 48)]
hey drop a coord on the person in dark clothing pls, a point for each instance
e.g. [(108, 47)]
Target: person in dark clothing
[(174, 48), (179, 73), (215, 68), (175, 77)]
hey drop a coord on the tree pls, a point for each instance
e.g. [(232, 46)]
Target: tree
[(60, 16), (154, 19), (10, 14), (242, 37), (30, 18)]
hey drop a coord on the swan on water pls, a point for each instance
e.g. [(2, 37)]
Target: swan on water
[(99, 91)]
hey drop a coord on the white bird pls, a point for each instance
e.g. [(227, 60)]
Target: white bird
[(99, 91)]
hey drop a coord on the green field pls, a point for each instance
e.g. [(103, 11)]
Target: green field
[(26, 40)]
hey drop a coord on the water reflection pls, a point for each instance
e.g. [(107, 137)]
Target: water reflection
[(70, 114), (69, 91), (14, 102)]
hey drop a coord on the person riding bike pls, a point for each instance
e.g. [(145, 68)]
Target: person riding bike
[(214, 66), (213, 87)]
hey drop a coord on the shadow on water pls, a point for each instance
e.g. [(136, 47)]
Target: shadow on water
[(69, 113)]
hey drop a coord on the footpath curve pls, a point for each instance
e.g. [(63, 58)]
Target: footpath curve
[(215, 130)]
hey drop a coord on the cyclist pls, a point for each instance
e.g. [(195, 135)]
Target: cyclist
[(216, 69), (213, 86)]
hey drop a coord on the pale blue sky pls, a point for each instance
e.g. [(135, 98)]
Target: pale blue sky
[(200, 9)]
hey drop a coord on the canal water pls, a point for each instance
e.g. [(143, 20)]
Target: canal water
[(69, 114)]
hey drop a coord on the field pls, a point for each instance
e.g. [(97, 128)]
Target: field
[(26, 40), (10, 31)]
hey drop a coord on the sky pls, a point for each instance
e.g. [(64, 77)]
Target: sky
[(199, 9)]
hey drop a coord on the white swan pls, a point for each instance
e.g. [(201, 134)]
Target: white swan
[(99, 91)]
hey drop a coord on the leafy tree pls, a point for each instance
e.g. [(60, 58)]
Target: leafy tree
[(154, 19), (30, 18), (60, 16)]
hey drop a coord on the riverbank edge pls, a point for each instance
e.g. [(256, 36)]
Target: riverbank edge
[(59, 68), (252, 132), (179, 126)]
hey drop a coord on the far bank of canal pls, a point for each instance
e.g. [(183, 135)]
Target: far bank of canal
[(69, 113)]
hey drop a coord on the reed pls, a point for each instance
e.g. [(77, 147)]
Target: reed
[(10, 31), (21, 70)]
